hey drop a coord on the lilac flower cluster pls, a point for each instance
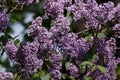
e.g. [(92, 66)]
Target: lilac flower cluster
[(54, 8), (3, 21), (116, 29), (11, 49), (6, 76), (93, 14), (115, 14), (25, 56), (56, 61), (107, 48), (74, 71), (57, 41), (54, 42)]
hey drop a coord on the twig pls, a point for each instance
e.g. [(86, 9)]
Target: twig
[(118, 48), (13, 8), (82, 31)]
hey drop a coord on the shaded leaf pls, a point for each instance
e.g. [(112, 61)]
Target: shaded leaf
[(101, 68)]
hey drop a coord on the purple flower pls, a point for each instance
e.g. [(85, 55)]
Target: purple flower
[(105, 10), (35, 27), (41, 33), (34, 47), (116, 29), (60, 28), (55, 74), (11, 49), (77, 9), (53, 8), (114, 15), (69, 45), (74, 71), (56, 57), (26, 59), (83, 47), (108, 49), (56, 61), (3, 21), (6, 76), (25, 56)]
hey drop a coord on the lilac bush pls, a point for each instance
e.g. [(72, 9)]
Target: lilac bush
[(63, 53)]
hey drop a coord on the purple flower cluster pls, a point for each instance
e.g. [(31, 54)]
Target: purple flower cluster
[(54, 8), (61, 26), (25, 56), (56, 61), (3, 21), (74, 71), (57, 41), (6, 76), (55, 74), (107, 48), (115, 13), (11, 49), (40, 33), (116, 29), (93, 14)]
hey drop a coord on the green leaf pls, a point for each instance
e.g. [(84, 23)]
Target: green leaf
[(118, 70), (44, 75), (83, 65), (16, 42), (87, 63), (82, 68), (101, 35), (66, 65), (88, 78), (35, 76), (15, 76), (101, 68), (64, 76)]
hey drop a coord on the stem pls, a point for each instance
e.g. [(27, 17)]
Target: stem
[(82, 31), (13, 8), (118, 48)]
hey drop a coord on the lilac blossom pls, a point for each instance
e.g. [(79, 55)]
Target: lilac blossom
[(60, 28), (116, 29), (3, 21), (114, 15), (53, 8), (6, 76), (74, 72), (77, 9), (56, 60), (27, 61), (25, 56), (107, 48), (11, 49), (69, 44), (55, 74)]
